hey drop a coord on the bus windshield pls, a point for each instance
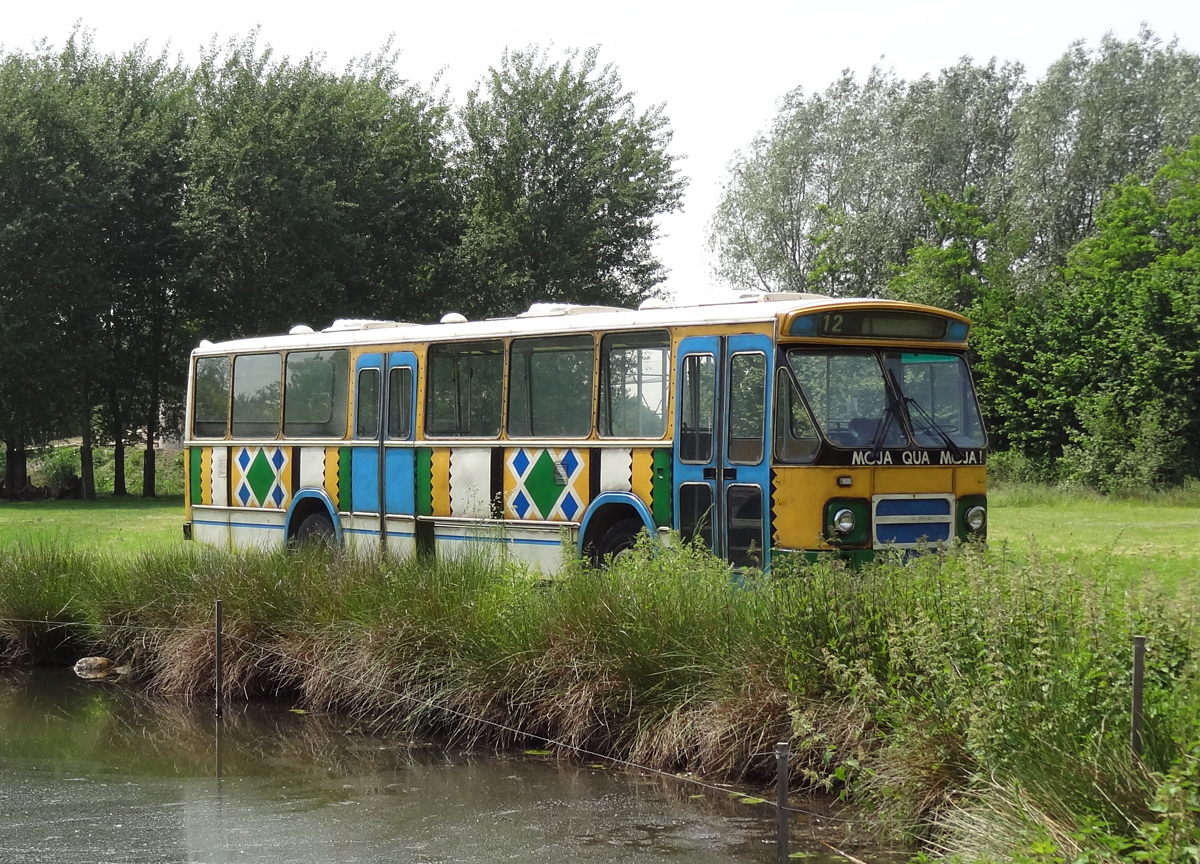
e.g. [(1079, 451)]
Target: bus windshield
[(930, 397), (939, 397), (848, 397)]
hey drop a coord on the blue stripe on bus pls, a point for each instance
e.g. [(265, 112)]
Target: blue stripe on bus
[(237, 524)]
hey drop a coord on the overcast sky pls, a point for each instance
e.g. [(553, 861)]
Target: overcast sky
[(720, 69)]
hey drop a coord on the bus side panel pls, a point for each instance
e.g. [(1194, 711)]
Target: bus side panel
[(257, 529), (539, 548)]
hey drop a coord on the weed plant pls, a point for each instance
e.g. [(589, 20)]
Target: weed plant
[(979, 703)]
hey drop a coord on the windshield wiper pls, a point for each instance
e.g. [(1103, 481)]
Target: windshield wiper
[(930, 424)]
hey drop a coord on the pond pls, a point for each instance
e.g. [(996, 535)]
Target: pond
[(98, 772)]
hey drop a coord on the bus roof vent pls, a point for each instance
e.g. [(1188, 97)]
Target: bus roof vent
[(342, 324), (541, 310), (773, 296), (454, 318), (300, 330), (653, 303)]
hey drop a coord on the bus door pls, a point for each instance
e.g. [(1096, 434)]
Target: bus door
[(399, 471), (366, 516), (721, 464), (746, 477)]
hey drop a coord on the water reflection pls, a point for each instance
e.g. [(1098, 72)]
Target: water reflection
[(97, 772)]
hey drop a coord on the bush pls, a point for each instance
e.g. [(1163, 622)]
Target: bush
[(55, 466), (1123, 454)]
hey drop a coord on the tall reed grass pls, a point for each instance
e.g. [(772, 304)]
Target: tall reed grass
[(979, 704)]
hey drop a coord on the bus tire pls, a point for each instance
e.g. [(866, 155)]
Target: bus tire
[(618, 539), (316, 530)]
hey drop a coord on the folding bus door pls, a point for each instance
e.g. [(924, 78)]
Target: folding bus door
[(399, 475), (366, 516), (722, 467), (697, 457), (745, 486)]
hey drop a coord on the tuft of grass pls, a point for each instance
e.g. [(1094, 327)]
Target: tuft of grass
[(978, 701)]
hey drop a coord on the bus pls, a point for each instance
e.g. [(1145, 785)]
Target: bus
[(768, 425)]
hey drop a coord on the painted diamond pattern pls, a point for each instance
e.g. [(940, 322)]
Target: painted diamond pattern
[(543, 484), (261, 481), (569, 506), (260, 476)]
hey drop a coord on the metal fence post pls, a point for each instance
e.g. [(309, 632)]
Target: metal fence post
[(217, 667), (782, 780), (1139, 669)]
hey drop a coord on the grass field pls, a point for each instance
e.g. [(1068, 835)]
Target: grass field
[(113, 524), (1131, 536)]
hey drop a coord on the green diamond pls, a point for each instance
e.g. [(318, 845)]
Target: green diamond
[(261, 476), (542, 484)]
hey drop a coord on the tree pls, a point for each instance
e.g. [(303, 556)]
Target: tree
[(563, 181), (313, 195)]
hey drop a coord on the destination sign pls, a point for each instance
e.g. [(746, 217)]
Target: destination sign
[(885, 325)]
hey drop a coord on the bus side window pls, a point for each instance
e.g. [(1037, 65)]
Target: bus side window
[(314, 394), (698, 404), (634, 373), (210, 398), (747, 407), (399, 425), (465, 382), (367, 405), (550, 387), (256, 385), (796, 438)]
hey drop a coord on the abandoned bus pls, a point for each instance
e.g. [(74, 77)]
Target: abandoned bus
[(774, 424)]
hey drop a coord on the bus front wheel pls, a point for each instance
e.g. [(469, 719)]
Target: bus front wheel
[(618, 540), (316, 530)]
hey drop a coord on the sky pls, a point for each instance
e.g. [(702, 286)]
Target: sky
[(719, 69)]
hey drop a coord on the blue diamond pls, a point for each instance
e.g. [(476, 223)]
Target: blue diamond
[(244, 492), (569, 506), (520, 463), (520, 504), (569, 463), (278, 459), (278, 495), (244, 458)]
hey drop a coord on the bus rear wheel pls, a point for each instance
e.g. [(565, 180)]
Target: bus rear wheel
[(316, 530), (618, 540)]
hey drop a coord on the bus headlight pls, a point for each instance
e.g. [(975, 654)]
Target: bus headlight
[(976, 518), (843, 521)]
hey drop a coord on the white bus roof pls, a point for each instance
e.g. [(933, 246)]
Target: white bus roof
[(549, 318)]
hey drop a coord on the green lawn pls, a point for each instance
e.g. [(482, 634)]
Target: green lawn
[(109, 523), (1132, 536)]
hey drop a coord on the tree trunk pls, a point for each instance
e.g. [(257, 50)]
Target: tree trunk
[(14, 466), (151, 434), (87, 469), (118, 436)]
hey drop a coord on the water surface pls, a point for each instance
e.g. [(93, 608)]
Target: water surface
[(96, 772)]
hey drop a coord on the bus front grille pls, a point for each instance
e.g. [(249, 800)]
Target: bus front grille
[(907, 521)]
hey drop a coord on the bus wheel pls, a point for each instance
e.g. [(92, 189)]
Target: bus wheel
[(618, 540), (316, 530)]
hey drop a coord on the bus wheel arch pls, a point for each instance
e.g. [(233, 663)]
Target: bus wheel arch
[(308, 508), (611, 524)]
